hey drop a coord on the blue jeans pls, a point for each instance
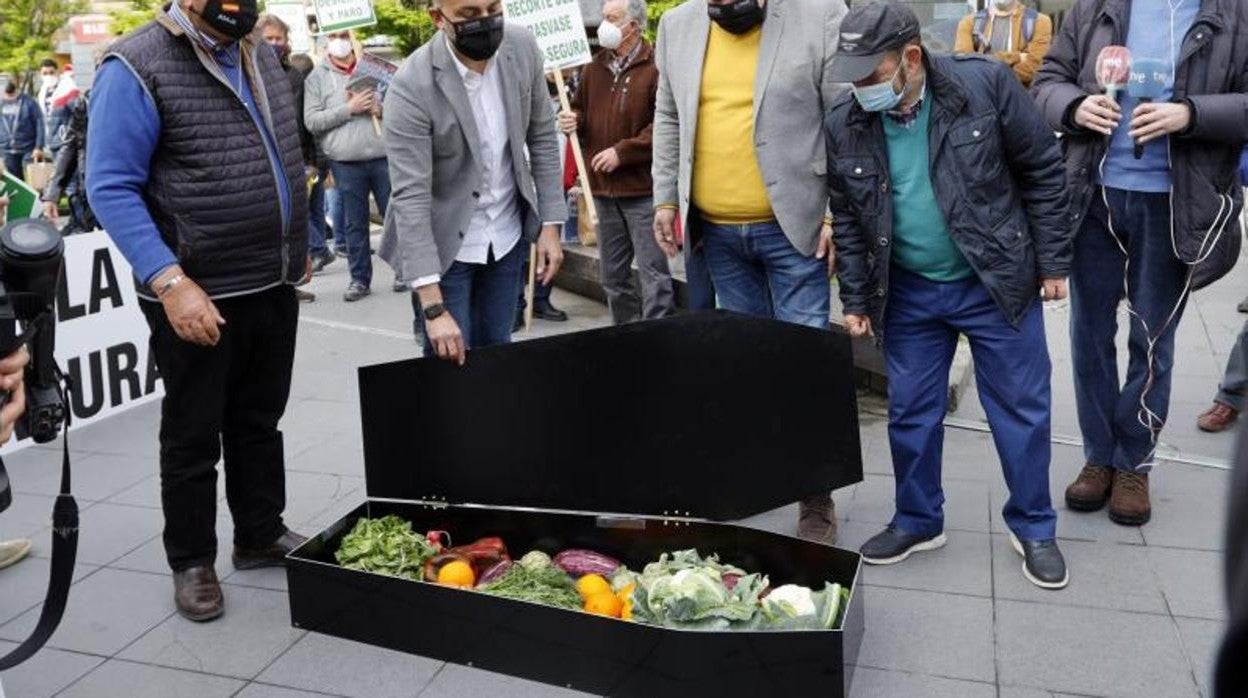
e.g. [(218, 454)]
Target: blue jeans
[(757, 271), (333, 206), (355, 180), (481, 298), (699, 289), (1110, 415), (316, 219), (921, 327)]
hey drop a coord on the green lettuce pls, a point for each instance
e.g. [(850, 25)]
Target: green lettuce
[(385, 546), (684, 590)]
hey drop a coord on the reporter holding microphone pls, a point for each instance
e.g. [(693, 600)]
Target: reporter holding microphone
[(1159, 225)]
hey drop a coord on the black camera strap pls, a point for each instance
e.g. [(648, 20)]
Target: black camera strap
[(64, 555)]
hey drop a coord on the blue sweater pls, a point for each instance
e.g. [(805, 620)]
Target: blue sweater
[(119, 159), (21, 125), (1148, 36)]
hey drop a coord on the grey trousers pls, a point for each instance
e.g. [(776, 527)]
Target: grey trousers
[(625, 231), (1235, 382)]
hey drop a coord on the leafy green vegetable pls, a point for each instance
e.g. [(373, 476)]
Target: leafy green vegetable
[(686, 591), (385, 546), (821, 610), (545, 585)]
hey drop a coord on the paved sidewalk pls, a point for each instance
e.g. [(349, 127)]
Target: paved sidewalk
[(1141, 617)]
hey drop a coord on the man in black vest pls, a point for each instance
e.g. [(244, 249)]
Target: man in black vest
[(196, 172)]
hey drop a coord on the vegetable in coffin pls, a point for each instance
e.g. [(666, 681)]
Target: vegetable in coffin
[(545, 585), (385, 546)]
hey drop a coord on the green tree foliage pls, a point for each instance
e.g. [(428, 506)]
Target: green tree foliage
[(140, 12), (655, 10), (406, 21), (26, 31)]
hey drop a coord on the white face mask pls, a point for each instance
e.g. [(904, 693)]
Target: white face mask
[(49, 81), (610, 36), (338, 48), (1003, 4)]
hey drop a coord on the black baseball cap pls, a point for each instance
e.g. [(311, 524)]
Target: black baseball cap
[(868, 33)]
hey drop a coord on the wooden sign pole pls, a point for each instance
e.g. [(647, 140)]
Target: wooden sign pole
[(576, 153)]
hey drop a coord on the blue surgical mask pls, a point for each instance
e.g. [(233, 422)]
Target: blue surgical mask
[(880, 96)]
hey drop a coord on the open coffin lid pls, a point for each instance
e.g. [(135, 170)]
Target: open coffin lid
[(706, 416)]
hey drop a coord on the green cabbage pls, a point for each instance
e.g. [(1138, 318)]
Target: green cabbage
[(684, 590)]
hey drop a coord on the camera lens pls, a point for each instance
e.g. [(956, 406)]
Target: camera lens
[(29, 239)]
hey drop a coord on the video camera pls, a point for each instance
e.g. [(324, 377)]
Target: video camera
[(31, 260)]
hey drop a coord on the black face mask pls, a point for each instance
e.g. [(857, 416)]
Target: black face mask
[(737, 17), (233, 18), (479, 38)]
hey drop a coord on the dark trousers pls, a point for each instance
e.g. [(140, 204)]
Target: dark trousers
[(481, 298), (15, 164), (1121, 420), (922, 324), (355, 181), (316, 219), (228, 398), (625, 234), (1235, 382)]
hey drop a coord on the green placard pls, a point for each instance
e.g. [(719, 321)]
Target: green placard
[(23, 201), (340, 15)]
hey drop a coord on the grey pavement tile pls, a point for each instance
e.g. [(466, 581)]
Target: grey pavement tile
[(903, 628), (121, 678), (30, 514), (254, 631), (963, 566), (1201, 641), (342, 667), (261, 690), (456, 681), (46, 673), (966, 503), (107, 532), (150, 556), (96, 476), (784, 519), (1102, 575), (26, 584), (1191, 581), (875, 683), (1178, 479), (309, 494), (146, 493), (1187, 521), (1090, 651), (107, 611), (335, 453), (133, 433)]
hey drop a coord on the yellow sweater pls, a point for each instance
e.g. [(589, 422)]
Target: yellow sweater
[(727, 182)]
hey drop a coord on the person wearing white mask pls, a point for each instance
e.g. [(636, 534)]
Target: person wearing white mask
[(54, 120), (343, 123), (613, 114), (1017, 35)]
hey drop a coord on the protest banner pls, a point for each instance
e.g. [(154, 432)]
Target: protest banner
[(295, 14), (340, 15), (23, 200)]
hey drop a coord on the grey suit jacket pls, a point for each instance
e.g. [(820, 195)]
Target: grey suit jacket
[(433, 150), (792, 91)]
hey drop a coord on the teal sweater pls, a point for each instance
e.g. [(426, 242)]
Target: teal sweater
[(921, 241)]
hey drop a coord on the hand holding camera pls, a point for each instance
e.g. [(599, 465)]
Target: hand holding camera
[(12, 371)]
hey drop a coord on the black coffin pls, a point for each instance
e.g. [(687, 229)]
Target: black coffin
[(632, 441)]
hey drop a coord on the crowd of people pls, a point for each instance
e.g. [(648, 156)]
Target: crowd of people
[(950, 195)]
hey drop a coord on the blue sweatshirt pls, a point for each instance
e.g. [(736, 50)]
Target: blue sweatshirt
[(21, 125), (119, 159), (1154, 32)]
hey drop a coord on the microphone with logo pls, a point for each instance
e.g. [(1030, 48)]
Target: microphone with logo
[(1113, 70), (1149, 77)]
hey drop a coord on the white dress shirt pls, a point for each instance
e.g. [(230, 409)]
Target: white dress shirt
[(495, 222)]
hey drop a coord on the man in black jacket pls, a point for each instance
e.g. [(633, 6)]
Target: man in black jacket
[(1155, 201), (949, 208), (70, 176)]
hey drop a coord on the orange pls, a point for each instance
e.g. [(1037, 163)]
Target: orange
[(627, 612), (457, 573), (592, 584), (627, 592), (605, 604)]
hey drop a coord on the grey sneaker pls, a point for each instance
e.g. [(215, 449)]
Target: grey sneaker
[(1043, 564), (816, 519), (893, 545), (355, 292)]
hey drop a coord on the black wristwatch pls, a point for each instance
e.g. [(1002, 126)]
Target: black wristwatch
[(433, 311)]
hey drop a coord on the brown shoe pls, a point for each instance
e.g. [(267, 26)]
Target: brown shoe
[(197, 594), (274, 555), (1220, 417), (1129, 505), (816, 520), (1090, 490)]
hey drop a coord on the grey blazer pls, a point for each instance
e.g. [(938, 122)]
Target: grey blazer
[(433, 149), (792, 91)]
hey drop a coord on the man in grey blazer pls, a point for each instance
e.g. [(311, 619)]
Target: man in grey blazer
[(467, 198), (739, 157)]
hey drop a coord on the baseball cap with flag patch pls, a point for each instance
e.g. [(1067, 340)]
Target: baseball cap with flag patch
[(868, 33)]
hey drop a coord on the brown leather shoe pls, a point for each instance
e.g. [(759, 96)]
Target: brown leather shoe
[(816, 519), (197, 594), (1090, 490), (274, 555), (1129, 505), (1220, 417)]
